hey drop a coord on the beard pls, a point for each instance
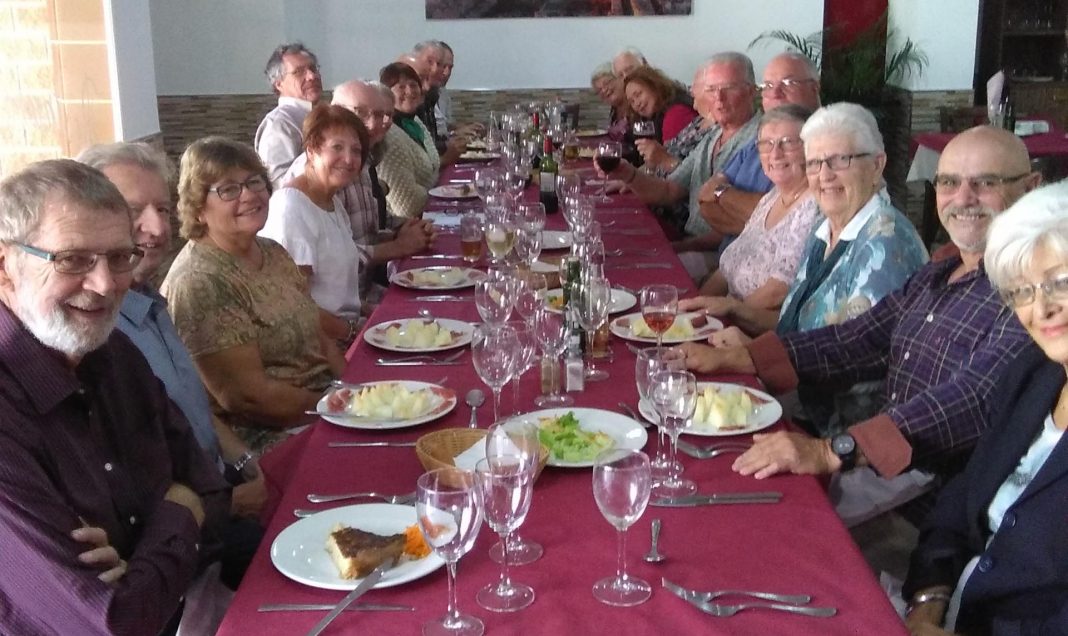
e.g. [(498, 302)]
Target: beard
[(56, 330), (967, 241)]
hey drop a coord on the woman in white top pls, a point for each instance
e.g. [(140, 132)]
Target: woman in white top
[(308, 219)]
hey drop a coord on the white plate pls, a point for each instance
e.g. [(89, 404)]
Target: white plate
[(622, 300), (766, 413), (299, 551), (468, 277), (461, 335), (460, 191), (542, 267), (591, 132), (621, 327), (555, 240), (442, 402), (478, 155), (626, 433)]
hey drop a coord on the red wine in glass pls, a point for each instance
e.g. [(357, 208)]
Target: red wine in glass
[(659, 321), (607, 164)]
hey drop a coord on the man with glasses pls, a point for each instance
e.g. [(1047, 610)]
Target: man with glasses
[(293, 72), (940, 343), (94, 451), (790, 78)]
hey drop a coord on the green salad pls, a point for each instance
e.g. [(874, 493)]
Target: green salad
[(568, 442)]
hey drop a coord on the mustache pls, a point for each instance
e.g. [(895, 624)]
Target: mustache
[(970, 210)]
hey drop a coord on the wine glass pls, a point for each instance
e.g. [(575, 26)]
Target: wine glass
[(580, 217), (499, 236), (524, 358), (644, 129), (609, 154), (591, 309), (494, 299), (552, 333), (515, 176), (487, 181), (569, 184), (528, 246), (530, 294), (660, 304), (506, 483), (449, 516), (493, 353), (519, 437), (650, 363), (675, 394), (621, 486), (531, 216)]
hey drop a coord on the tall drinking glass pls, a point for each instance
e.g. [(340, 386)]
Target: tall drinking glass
[(650, 363), (471, 237), (493, 353), (609, 154), (449, 517), (660, 304), (519, 437), (675, 394), (507, 486), (621, 486), (531, 216), (530, 294), (552, 332), (524, 358), (494, 299), (594, 298)]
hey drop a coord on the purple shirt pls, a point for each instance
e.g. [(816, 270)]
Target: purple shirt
[(941, 347), (98, 444)]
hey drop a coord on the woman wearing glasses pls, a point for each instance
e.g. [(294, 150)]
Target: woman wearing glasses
[(994, 551), (862, 250), (239, 301)]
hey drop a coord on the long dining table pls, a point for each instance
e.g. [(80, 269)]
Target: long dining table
[(796, 546)]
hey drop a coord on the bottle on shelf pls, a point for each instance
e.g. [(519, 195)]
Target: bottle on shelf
[(548, 169)]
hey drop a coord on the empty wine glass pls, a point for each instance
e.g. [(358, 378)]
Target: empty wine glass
[(506, 483), (531, 216), (650, 363), (492, 353), (675, 394), (621, 486), (515, 176), (518, 436), (552, 333), (524, 359), (660, 304), (487, 181), (530, 294), (527, 246), (449, 516), (609, 154), (593, 299), (569, 184), (494, 299)]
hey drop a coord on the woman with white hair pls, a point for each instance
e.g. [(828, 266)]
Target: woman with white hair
[(993, 556)]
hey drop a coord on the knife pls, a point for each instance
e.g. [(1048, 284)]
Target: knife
[(426, 256), (439, 299), (365, 585), (308, 607), (639, 266), (691, 501), (368, 444), (414, 363)]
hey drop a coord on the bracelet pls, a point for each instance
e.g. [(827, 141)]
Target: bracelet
[(243, 461), (926, 597), (352, 330)]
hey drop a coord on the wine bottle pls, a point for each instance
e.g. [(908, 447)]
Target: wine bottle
[(548, 169)]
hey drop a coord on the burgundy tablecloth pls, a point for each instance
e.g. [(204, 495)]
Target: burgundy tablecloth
[(1051, 144), (796, 546)]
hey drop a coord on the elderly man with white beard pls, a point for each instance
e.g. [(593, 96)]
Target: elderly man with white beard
[(93, 451)]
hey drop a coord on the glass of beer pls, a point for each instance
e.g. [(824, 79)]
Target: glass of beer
[(471, 237)]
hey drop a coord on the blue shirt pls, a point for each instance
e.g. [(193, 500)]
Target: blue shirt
[(744, 172), (143, 318)]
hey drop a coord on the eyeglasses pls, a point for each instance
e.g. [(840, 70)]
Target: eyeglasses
[(784, 84), (82, 261), (231, 191), (834, 162), (1052, 288), (366, 113), (301, 70), (166, 209), (765, 146), (981, 184), (733, 87)]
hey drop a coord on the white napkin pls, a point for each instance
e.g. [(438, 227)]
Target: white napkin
[(477, 452), (443, 219), (994, 87)]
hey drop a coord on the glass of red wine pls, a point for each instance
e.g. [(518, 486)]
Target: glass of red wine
[(608, 156), (660, 304), (644, 129)]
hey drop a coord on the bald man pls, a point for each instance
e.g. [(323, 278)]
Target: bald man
[(940, 342), (790, 78)]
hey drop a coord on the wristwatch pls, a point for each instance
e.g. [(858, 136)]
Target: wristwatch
[(720, 189), (845, 447)]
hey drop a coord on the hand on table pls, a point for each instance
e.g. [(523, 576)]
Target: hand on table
[(711, 305), (102, 556), (729, 337), (705, 359), (781, 452), (455, 147), (415, 235)]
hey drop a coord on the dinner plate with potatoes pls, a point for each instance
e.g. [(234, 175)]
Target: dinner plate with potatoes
[(688, 327), (386, 404), (437, 277), (725, 409), (419, 335), (334, 549), (622, 300)]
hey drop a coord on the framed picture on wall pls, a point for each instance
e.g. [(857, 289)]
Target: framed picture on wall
[(477, 9)]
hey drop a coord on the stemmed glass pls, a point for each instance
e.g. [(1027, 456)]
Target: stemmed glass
[(515, 177), (660, 304), (530, 216), (493, 353), (499, 235), (506, 483), (447, 506), (518, 437), (675, 394), (580, 217), (621, 486), (569, 185), (530, 294), (552, 333), (594, 298), (609, 154), (487, 181), (650, 363), (524, 358), (644, 129), (528, 246), (494, 299)]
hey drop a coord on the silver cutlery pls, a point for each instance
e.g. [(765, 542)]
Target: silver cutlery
[(361, 589), (441, 298), (312, 607), (639, 266), (626, 232), (635, 349), (424, 356), (393, 499), (653, 555), (420, 257), (731, 610), (415, 363), (631, 252), (705, 597), (714, 450), (371, 444), (692, 501), (636, 292), (474, 398), (629, 411)]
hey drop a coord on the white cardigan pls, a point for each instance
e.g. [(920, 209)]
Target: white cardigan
[(409, 170)]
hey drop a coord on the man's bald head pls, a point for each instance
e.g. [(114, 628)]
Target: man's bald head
[(366, 100), (790, 78), (422, 69)]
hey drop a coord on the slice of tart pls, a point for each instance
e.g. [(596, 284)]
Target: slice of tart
[(357, 553)]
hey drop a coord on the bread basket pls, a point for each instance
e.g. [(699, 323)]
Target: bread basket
[(438, 449)]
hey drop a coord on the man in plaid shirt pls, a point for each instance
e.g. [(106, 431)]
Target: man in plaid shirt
[(940, 342)]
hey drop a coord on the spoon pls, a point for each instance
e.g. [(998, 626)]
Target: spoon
[(653, 556), (475, 398), (425, 314)]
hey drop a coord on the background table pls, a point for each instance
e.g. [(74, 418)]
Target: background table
[(796, 546)]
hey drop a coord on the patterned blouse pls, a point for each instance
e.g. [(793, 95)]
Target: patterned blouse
[(682, 144), (760, 253), (217, 304)]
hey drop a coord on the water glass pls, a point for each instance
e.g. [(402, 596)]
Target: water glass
[(591, 308), (524, 358), (650, 363), (494, 300), (621, 487), (530, 216), (471, 237), (493, 353), (675, 394), (519, 437), (506, 483), (530, 294), (552, 333)]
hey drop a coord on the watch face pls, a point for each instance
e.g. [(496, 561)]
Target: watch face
[(843, 445)]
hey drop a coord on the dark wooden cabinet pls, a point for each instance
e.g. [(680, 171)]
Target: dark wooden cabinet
[(1042, 98)]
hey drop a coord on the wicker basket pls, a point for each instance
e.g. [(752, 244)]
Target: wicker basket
[(438, 449)]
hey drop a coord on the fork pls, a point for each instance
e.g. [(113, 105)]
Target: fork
[(706, 597), (731, 610), (713, 450), (451, 358), (393, 499)]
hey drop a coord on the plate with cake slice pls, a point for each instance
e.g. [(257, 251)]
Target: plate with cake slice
[(334, 549)]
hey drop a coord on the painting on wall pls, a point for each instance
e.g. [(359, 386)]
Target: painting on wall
[(474, 9)]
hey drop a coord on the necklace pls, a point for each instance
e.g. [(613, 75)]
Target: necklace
[(793, 199)]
